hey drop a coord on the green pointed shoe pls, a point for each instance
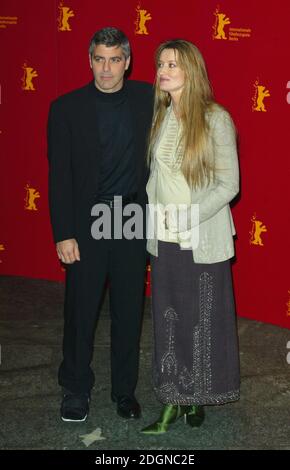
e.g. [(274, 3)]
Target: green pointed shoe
[(194, 416), (169, 415)]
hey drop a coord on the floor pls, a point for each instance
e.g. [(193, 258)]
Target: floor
[(31, 337)]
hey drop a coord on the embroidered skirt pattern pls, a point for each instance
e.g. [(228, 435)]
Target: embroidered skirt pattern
[(195, 358)]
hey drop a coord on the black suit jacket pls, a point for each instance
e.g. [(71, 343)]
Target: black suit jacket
[(74, 155)]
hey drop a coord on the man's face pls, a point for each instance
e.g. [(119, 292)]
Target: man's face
[(108, 65)]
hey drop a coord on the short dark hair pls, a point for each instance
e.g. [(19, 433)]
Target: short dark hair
[(110, 37)]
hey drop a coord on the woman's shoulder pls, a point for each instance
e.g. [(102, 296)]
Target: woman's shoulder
[(217, 115), (217, 111)]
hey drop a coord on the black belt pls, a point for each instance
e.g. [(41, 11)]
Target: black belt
[(117, 201)]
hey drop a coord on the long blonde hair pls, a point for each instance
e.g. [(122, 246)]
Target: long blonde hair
[(197, 163)]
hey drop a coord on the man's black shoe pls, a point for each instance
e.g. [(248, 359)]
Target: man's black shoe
[(74, 406), (127, 407)]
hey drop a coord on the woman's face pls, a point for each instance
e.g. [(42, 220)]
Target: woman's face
[(170, 76)]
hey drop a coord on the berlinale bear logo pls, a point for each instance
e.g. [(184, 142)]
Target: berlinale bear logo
[(29, 74), (64, 15), (142, 17)]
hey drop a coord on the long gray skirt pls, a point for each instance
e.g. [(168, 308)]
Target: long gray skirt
[(195, 358)]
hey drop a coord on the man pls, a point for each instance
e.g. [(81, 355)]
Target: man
[(96, 149)]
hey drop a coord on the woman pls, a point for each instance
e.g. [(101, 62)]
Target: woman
[(193, 160)]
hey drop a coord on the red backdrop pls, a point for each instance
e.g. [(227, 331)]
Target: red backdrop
[(246, 46)]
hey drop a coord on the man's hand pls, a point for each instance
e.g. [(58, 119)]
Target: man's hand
[(68, 251)]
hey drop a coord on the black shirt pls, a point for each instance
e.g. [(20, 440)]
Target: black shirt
[(118, 164)]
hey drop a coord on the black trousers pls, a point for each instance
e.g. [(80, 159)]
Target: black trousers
[(123, 262)]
